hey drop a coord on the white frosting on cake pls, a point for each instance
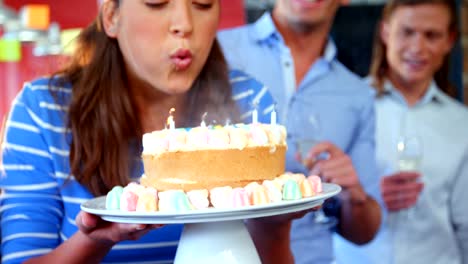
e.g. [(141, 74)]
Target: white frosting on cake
[(237, 136)]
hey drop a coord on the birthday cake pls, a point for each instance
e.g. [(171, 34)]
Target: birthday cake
[(217, 166), (207, 157)]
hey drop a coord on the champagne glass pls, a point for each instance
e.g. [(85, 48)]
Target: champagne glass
[(409, 146), (311, 135), (409, 156), (409, 153)]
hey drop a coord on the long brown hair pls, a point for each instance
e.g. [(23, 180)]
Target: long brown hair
[(379, 65), (102, 117)]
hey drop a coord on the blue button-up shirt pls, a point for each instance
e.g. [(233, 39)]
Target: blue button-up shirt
[(435, 230), (343, 102)]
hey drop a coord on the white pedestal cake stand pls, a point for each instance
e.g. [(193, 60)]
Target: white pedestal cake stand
[(212, 235)]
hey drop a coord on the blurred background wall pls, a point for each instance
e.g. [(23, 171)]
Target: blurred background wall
[(72, 14), (40, 50), (39, 46)]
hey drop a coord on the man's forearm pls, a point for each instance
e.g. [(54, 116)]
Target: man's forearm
[(360, 220)]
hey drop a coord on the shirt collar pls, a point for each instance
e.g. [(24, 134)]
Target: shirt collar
[(265, 29), (433, 93), (330, 50)]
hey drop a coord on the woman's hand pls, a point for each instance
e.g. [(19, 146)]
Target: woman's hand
[(282, 219), (271, 236), (400, 190), (108, 233)]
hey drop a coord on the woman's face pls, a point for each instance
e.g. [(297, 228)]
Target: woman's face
[(165, 43), (417, 40)]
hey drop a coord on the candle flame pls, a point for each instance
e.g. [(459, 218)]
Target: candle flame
[(203, 124), (170, 119)]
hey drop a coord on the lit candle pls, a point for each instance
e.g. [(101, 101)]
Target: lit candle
[(273, 116), (170, 120), (203, 124), (255, 114)]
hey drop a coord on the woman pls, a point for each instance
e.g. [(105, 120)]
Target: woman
[(427, 220), (134, 63)]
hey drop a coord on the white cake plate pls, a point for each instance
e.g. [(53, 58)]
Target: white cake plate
[(212, 235)]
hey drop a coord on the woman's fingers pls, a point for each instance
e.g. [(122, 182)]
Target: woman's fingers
[(139, 230), (279, 219), (86, 222), (99, 230)]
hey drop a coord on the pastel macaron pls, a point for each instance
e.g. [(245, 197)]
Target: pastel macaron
[(240, 198), (220, 197), (147, 200), (113, 198), (199, 198), (291, 190), (316, 183)]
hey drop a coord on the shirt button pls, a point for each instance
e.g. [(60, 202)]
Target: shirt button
[(287, 64)]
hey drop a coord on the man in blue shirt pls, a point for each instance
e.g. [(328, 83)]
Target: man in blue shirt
[(290, 51)]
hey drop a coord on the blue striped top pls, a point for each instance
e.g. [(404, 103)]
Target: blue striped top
[(38, 210)]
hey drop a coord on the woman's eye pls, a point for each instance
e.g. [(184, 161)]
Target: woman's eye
[(155, 5), (203, 5)]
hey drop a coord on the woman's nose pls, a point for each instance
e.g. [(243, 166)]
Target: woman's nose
[(181, 23)]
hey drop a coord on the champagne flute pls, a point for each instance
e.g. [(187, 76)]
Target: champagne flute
[(409, 157), (311, 136), (409, 146), (409, 153)]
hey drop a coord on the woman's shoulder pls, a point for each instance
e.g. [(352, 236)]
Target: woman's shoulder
[(47, 84), (242, 79), (46, 90), (235, 74), (242, 82), (249, 93)]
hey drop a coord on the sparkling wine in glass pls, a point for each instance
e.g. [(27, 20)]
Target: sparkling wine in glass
[(409, 156), (309, 136), (409, 153)]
